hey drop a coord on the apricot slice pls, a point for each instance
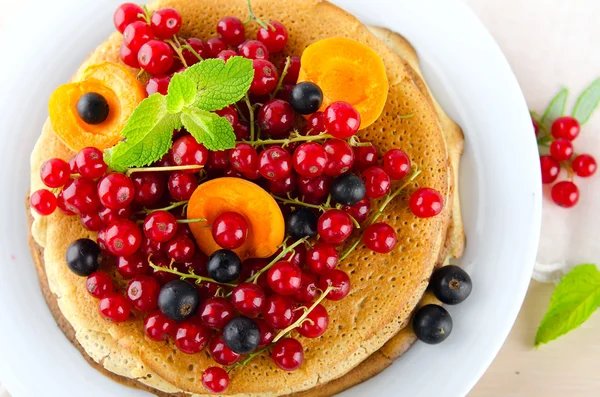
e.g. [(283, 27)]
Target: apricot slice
[(265, 220), (348, 71), (122, 92)]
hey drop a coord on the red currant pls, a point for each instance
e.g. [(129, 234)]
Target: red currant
[(218, 160), (584, 165), (215, 379), (232, 172), (265, 77), (158, 84), (341, 120), (279, 311), (276, 118), (275, 163), (283, 186), (55, 172), (80, 196), (216, 312), (284, 278), (191, 336), (152, 248), (182, 186), (565, 127), (200, 49), (285, 91), (550, 169), (149, 187), (116, 191), (266, 333), (310, 159), (337, 279), (230, 230), (359, 211), (561, 149), (315, 124), (92, 222), (243, 157), (340, 155), (180, 248), (163, 277), (127, 13), (214, 46), (316, 324), (90, 163), (308, 288), (396, 164), (377, 182), (317, 187), (108, 216), (288, 354), (230, 114), (187, 151), (248, 299), (297, 256), (365, 157), (275, 37), (165, 23), (62, 206), (123, 238), (159, 327), (322, 258), (143, 292), (426, 202), (99, 284), (253, 49), (293, 71), (565, 194), (133, 266), (43, 202), (114, 308), (156, 57), (128, 56), (231, 31), (221, 353), (160, 226), (226, 54), (334, 227), (136, 34), (380, 237)]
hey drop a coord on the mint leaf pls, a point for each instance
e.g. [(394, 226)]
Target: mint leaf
[(213, 131), (576, 297), (182, 92), (220, 84), (587, 102), (147, 134), (556, 108)]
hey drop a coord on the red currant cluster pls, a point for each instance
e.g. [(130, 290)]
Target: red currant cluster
[(560, 139)]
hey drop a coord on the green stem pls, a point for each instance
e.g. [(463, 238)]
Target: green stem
[(296, 137), (283, 253), (197, 220), (160, 169), (323, 207), (185, 276), (177, 48), (253, 17), (191, 49), (249, 358), (284, 72), (251, 111), (240, 113), (168, 208)]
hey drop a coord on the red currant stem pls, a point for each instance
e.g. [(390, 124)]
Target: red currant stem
[(249, 358), (168, 208), (283, 253), (296, 137), (75, 175), (379, 213), (177, 49), (196, 220), (288, 62), (240, 112), (307, 311), (191, 49), (251, 111), (253, 17), (173, 168), (406, 116), (184, 276), (141, 75), (323, 207), (146, 15)]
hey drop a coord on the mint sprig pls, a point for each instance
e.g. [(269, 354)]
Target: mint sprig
[(574, 300), (191, 99)]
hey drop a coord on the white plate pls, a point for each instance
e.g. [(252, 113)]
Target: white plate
[(501, 192)]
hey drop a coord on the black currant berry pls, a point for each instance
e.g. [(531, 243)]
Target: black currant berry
[(242, 335), (432, 324), (451, 284), (92, 108), (224, 266), (178, 300), (348, 189), (82, 257), (301, 223), (306, 98)]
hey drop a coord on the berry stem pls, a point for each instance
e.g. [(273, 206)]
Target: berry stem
[(146, 15), (296, 137), (283, 253), (253, 17), (288, 62), (323, 207), (177, 48), (405, 116), (249, 358), (161, 169), (184, 276), (191, 49), (251, 112), (197, 220), (240, 113), (168, 208)]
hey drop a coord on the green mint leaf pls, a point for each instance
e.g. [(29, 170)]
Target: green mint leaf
[(220, 84), (587, 102), (147, 134), (181, 93), (556, 108), (574, 300), (211, 130)]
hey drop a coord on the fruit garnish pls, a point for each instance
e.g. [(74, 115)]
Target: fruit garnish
[(77, 112), (432, 324), (347, 71), (265, 221)]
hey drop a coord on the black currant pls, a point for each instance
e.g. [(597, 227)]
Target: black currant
[(242, 335), (92, 108), (300, 223), (432, 324), (224, 266), (451, 284), (178, 300), (306, 98), (348, 189), (83, 257)]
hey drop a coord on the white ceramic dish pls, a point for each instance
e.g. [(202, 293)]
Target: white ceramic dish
[(501, 192)]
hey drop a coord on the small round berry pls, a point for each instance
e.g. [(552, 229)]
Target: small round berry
[(276, 118), (451, 284), (214, 46), (365, 157), (55, 173), (215, 379), (133, 266), (199, 47), (340, 156), (310, 159), (279, 311), (322, 258), (317, 187), (301, 223), (221, 353), (253, 49), (275, 36), (359, 211), (160, 226), (396, 164), (284, 278), (83, 257), (377, 182), (224, 266), (565, 194), (248, 299), (242, 335), (159, 327), (337, 279), (149, 187), (314, 124), (108, 216), (309, 290), (123, 238), (348, 189), (127, 13), (266, 333), (116, 191), (217, 160), (426, 202), (432, 324), (341, 120), (565, 127), (335, 226), (380, 238), (584, 165), (92, 108), (288, 354), (293, 71), (114, 308), (192, 336), (230, 230), (178, 300), (165, 23), (187, 151), (318, 321), (129, 57), (550, 169), (92, 222), (143, 292), (561, 149), (306, 97), (265, 77), (274, 163), (241, 131), (216, 312), (80, 196), (282, 187), (62, 205), (163, 277), (156, 57), (99, 284), (158, 84), (180, 248), (182, 185), (90, 163), (230, 114), (231, 31), (136, 34), (43, 202), (226, 54), (243, 157)]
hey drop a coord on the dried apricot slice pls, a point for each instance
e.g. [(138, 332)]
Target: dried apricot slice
[(266, 225), (122, 92), (347, 71)]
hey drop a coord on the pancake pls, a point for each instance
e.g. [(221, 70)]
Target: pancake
[(386, 288)]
